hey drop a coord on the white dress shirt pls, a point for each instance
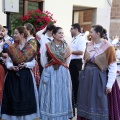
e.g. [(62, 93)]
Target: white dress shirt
[(78, 43), (115, 41)]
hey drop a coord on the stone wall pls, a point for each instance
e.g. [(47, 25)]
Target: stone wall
[(115, 18)]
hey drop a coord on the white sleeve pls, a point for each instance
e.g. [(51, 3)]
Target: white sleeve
[(43, 57), (42, 41), (68, 60), (112, 69), (81, 44), (39, 34), (30, 64), (118, 54), (8, 63)]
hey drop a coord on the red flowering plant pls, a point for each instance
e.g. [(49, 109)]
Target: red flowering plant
[(36, 17)]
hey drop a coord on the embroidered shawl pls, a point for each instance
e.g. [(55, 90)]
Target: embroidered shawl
[(102, 57), (58, 54), (18, 56), (33, 42)]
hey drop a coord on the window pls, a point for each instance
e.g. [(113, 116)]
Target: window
[(24, 7)]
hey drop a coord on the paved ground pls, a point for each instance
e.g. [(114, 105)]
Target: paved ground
[(75, 118)]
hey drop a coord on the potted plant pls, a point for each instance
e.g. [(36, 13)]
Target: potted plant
[(38, 18)]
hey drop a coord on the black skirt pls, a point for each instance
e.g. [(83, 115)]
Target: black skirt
[(18, 95)]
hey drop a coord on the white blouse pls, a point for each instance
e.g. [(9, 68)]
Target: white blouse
[(78, 43), (30, 37), (9, 63)]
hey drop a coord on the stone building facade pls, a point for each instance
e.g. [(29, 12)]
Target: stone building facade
[(115, 18)]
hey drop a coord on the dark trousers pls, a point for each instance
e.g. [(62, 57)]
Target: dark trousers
[(75, 67)]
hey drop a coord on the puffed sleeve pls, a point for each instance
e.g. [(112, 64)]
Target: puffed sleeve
[(39, 34), (8, 63), (112, 66), (43, 57)]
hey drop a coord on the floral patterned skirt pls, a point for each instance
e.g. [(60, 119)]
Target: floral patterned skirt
[(36, 73), (2, 75)]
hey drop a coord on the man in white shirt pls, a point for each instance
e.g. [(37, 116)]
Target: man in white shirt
[(116, 40), (77, 45)]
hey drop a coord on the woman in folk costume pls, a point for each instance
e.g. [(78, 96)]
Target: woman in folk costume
[(98, 94), (55, 84), (31, 40), (20, 96), (2, 71)]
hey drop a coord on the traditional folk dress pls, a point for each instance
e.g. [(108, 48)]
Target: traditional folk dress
[(3, 69), (31, 40), (44, 38), (2, 73), (118, 61), (55, 91), (20, 96), (99, 73)]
